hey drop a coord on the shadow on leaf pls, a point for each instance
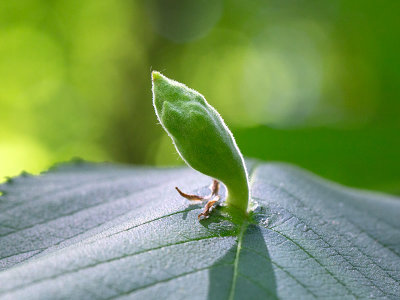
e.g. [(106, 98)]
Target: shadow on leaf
[(250, 276)]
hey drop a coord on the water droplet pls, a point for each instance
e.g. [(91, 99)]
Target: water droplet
[(266, 222)]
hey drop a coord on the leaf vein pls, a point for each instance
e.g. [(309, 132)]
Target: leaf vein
[(284, 270), (89, 266), (317, 261)]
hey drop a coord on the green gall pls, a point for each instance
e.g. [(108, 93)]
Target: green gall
[(201, 137)]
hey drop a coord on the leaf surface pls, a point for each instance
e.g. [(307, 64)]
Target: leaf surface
[(108, 231)]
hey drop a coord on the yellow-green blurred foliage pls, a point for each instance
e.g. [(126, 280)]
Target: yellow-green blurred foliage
[(315, 83)]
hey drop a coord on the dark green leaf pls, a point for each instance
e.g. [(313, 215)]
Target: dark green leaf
[(107, 231)]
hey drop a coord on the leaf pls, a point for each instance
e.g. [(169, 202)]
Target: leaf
[(109, 231)]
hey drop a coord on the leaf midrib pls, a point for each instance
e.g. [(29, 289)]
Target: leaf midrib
[(243, 228)]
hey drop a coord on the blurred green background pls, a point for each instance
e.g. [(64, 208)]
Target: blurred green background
[(314, 83)]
